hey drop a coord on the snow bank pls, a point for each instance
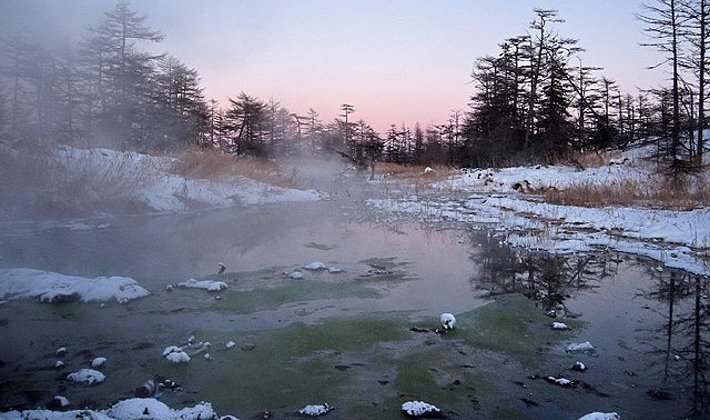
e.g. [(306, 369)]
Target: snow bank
[(148, 180), (23, 283), (131, 409)]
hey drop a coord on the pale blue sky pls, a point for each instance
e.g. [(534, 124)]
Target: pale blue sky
[(397, 61)]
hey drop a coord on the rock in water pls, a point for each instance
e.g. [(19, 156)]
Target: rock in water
[(579, 367), (146, 390)]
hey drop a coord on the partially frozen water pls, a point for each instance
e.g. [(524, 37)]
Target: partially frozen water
[(346, 338)]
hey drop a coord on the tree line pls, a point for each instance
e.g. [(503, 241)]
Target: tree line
[(535, 100)]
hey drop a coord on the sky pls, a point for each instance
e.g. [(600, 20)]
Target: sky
[(397, 61)]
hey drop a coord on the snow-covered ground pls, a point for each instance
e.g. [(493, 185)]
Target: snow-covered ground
[(676, 239), (105, 180)]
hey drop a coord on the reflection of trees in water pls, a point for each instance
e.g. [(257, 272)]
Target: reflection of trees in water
[(686, 336), (539, 275)]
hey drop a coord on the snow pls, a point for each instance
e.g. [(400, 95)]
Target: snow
[(131, 409), (87, 376), (59, 364), (316, 410), (62, 401), (230, 344), (296, 275), (419, 408), (315, 266), (600, 416), (61, 351), (560, 381), (579, 366), (175, 354), (210, 285), (24, 283), (98, 362), (335, 270), (448, 321), (559, 326), (580, 347), (486, 197)]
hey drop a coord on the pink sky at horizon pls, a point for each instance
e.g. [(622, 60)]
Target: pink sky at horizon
[(398, 62)]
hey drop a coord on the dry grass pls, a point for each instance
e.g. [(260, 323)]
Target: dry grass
[(668, 195), (584, 160), (399, 171), (213, 165)]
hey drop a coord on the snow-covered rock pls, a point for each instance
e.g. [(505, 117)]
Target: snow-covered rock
[(61, 351), (564, 382), (315, 266), (419, 409), (600, 416), (60, 401), (210, 285), (150, 408), (559, 326), (175, 354), (448, 321), (25, 283), (58, 364), (296, 275), (230, 344), (335, 270), (316, 410), (580, 347), (98, 362), (87, 376), (579, 366)]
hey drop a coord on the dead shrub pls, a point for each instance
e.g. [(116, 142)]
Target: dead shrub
[(213, 165)]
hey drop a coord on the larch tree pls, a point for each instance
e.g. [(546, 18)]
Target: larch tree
[(664, 28), (123, 70)]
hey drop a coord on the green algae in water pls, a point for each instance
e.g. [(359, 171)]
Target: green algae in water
[(511, 324), (290, 367), (384, 263), (435, 374), (246, 302), (319, 246)]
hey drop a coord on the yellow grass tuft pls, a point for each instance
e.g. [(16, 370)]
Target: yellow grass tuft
[(212, 165)]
